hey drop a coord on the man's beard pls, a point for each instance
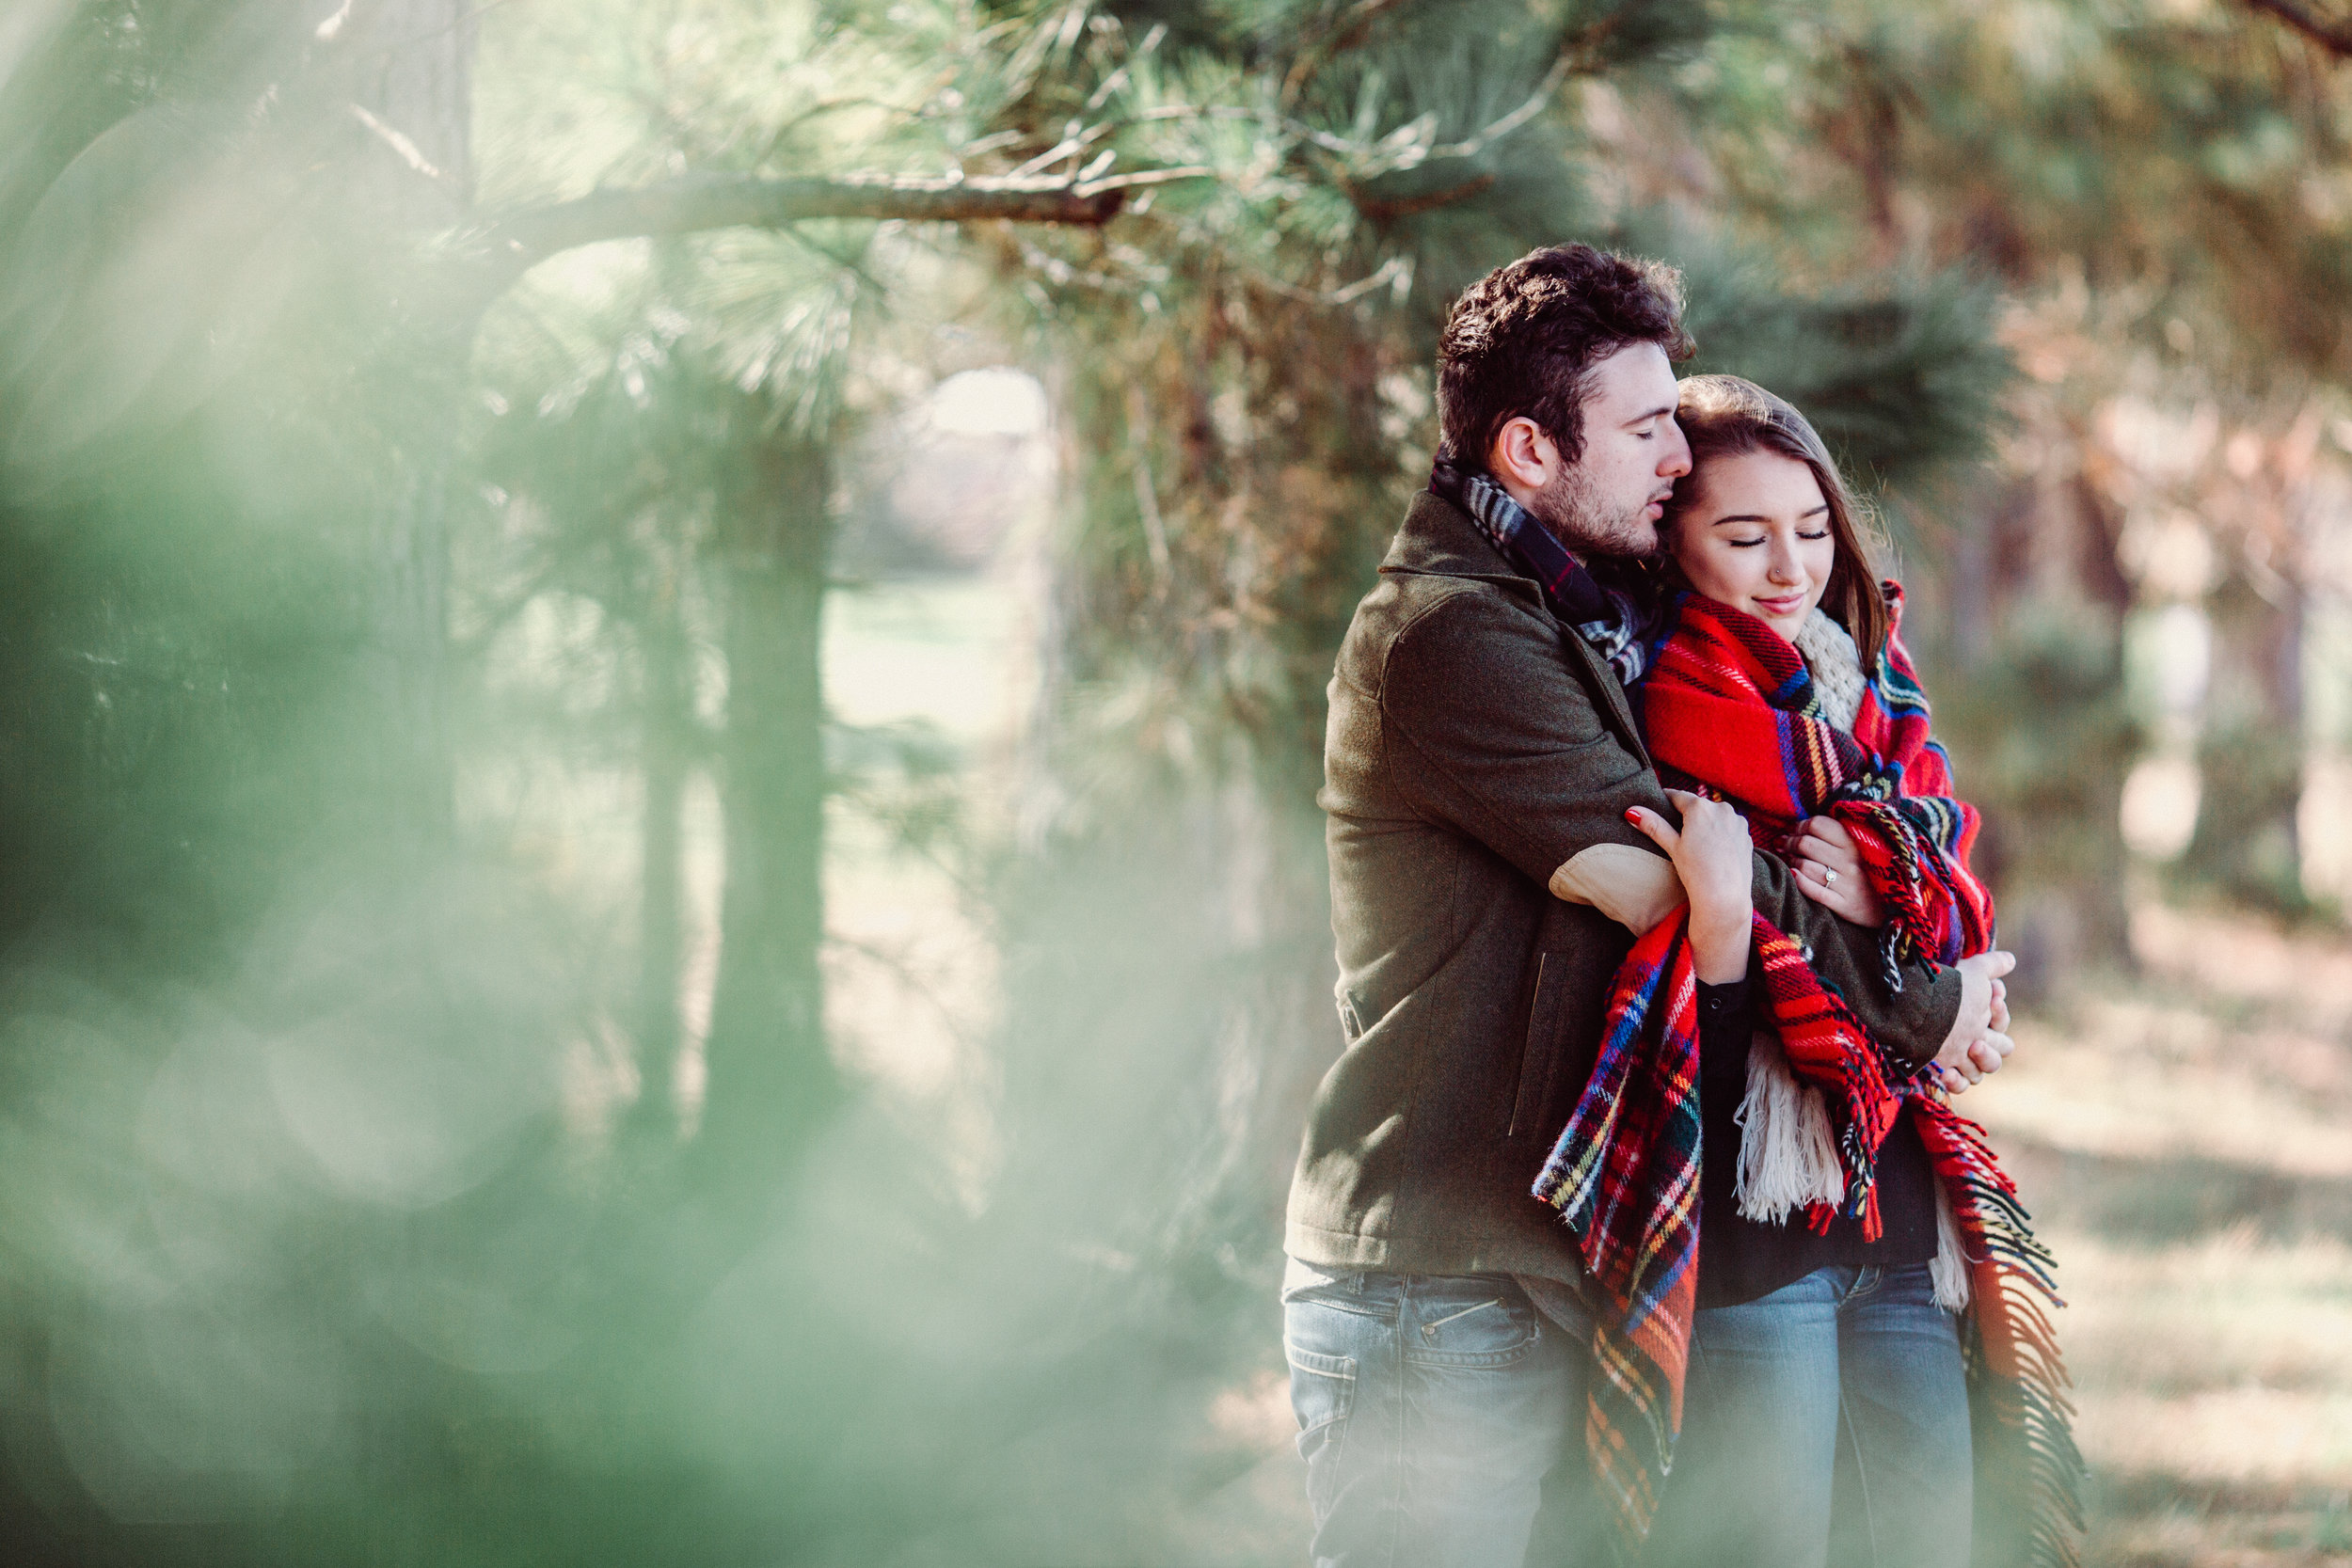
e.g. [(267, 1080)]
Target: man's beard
[(1573, 511)]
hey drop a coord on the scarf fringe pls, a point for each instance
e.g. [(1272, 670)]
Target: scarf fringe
[(1949, 1271), (2035, 1472), (1787, 1149), (2029, 1505), (1862, 1192)]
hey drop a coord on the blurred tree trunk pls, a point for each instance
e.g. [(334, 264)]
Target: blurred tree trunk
[(666, 742), (2038, 720), (2250, 753), (2112, 740), (770, 1076), (407, 66), (1983, 577)]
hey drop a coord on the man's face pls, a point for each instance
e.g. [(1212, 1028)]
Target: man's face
[(1609, 501)]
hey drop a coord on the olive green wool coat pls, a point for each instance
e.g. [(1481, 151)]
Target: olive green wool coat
[(1484, 886)]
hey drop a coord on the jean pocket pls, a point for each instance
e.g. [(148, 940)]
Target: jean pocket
[(1478, 1330), (1322, 1391)]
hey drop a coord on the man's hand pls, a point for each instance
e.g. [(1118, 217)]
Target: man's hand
[(1713, 855), (1828, 872), (1979, 1043)]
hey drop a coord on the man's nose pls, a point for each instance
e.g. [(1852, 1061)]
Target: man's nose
[(1676, 460)]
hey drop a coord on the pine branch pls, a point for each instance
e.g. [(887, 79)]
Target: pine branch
[(2333, 34), (1390, 211), (1343, 34), (512, 242)]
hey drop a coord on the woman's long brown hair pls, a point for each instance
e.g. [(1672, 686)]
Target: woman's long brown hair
[(1725, 416)]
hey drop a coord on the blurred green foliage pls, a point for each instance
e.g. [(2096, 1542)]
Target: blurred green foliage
[(372, 1192)]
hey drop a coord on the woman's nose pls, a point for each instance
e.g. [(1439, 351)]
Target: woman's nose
[(1783, 566)]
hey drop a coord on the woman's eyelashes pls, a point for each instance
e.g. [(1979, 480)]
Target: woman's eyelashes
[(1748, 543)]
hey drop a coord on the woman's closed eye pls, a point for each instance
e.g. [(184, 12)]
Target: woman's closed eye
[(1750, 543)]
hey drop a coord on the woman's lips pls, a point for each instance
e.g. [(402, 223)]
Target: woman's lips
[(1787, 606)]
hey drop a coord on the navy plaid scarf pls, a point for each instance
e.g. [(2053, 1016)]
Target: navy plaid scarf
[(1611, 619)]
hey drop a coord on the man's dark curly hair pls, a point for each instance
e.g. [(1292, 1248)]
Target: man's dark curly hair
[(1524, 340)]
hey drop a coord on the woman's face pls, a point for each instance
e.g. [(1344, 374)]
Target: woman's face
[(1756, 537)]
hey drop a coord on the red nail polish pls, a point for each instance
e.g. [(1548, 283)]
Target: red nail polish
[(1633, 815)]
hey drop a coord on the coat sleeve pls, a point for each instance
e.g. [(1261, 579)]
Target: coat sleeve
[(1492, 733)]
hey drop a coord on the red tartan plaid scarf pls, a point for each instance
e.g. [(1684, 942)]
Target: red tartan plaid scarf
[(1729, 710)]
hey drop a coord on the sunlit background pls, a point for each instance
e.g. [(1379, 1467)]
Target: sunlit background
[(660, 681)]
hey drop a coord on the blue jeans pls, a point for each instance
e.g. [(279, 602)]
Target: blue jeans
[(1431, 1411), (1825, 1422)]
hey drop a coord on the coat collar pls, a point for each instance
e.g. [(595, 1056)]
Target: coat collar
[(1439, 539)]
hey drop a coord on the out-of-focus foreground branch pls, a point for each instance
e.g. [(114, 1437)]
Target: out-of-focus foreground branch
[(519, 239), (2331, 33)]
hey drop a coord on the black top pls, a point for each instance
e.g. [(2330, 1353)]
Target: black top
[(1741, 1258)]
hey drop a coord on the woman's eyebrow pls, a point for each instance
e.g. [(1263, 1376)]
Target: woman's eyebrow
[(1759, 517)]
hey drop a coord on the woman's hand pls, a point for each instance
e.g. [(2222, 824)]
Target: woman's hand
[(1958, 1069), (1828, 872), (1715, 859), (1979, 1041)]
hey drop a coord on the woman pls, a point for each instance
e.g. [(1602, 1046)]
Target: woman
[(1848, 1215)]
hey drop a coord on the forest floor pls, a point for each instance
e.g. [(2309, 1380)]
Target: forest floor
[(2185, 1138)]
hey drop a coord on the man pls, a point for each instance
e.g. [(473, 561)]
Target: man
[(1479, 764)]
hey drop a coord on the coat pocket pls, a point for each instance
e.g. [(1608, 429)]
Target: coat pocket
[(1541, 1054)]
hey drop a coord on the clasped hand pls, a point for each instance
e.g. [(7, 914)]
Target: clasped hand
[(1979, 1041)]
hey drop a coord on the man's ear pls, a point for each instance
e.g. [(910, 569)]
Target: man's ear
[(1522, 455)]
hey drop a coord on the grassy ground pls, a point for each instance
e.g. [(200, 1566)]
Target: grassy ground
[(2185, 1138)]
